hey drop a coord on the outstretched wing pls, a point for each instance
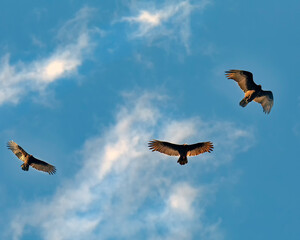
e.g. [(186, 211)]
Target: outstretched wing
[(164, 147), (265, 98), (198, 148), (42, 166), (243, 78), (17, 150)]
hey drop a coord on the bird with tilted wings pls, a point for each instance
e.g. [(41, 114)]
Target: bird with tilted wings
[(181, 150), (253, 92), (30, 160)]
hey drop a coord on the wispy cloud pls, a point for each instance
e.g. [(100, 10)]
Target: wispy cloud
[(169, 20), (182, 198), (124, 191), (21, 78)]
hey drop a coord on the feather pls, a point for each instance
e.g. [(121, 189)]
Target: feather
[(243, 78), (164, 147), (265, 98), (198, 148), (29, 160), (182, 150), (42, 166), (252, 91), (17, 150)]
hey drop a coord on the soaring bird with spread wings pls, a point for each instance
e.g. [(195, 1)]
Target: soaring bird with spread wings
[(252, 91), (183, 150), (29, 160)]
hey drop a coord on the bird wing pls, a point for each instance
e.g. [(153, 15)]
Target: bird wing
[(198, 148), (17, 150), (243, 78), (265, 98), (164, 147), (42, 166)]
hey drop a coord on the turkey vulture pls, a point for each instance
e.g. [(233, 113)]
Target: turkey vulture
[(29, 160), (252, 91), (182, 150)]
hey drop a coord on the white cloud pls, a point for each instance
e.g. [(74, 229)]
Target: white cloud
[(146, 18), (171, 20), (124, 191), (17, 80), (182, 198)]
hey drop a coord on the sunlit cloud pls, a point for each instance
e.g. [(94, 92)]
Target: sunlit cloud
[(146, 18), (170, 20), (182, 198), (18, 79), (123, 190)]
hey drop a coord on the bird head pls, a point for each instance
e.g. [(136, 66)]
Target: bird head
[(259, 86)]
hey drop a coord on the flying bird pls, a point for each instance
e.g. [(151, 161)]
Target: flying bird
[(182, 150), (29, 160), (252, 91)]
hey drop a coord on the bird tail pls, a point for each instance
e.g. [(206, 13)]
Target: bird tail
[(25, 167), (182, 160), (244, 102)]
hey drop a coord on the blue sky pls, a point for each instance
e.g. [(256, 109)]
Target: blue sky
[(85, 86)]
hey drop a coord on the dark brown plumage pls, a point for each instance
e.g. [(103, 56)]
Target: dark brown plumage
[(183, 150), (252, 91), (29, 160)]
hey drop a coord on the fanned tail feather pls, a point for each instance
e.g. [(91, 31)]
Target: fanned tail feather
[(182, 160), (25, 167), (243, 103)]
